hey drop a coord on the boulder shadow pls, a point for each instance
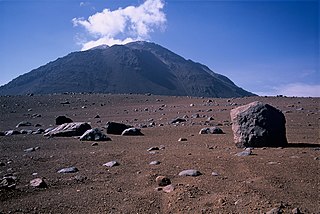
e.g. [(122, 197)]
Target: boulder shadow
[(302, 145)]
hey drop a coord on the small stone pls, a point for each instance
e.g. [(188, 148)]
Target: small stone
[(111, 164), (30, 150), (178, 120), (154, 163), (132, 132), (68, 170), (214, 174), (168, 188), (190, 172), (153, 148), (94, 144), (11, 132), (94, 135), (182, 139), (246, 152), (163, 180), (211, 130), (38, 182)]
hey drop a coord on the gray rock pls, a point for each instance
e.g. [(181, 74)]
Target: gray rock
[(168, 188), (246, 152), (163, 180), (211, 130), (132, 132), (38, 183), (190, 172), (23, 123), (68, 170), (154, 163), (63, 119), (32, 149), (69, 130), (214, 174), (25, 131), (116, 128), (111, 164), (94, 135), (258, 125)]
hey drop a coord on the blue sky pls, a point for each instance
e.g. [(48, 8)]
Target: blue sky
[(266, 47)]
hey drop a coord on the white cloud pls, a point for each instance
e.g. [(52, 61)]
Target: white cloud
[(123, 25), (294, 90)]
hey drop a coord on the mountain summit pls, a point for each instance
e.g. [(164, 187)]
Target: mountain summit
[(137, 67)]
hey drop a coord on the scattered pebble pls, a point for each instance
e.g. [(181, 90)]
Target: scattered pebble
[(68, 170), (168, 188), (246, 152), (214, 174), (190, 172), (111, 164), (153, 148), (154, 163), (38, 183), (183, 139)]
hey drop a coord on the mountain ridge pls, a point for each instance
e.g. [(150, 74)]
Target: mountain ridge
[(137, 67)]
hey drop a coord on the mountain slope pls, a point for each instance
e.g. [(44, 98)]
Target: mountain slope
[(138, 67)]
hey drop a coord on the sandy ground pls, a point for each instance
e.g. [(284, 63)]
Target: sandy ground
[(272, 177)]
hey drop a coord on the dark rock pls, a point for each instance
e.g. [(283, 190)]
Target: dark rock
[(182, 139), (116, 128), (178, 120), (38, 183), (211, 130), (63, 119), (69, 130), (163, 180), (23, 123), (32, 149), (2, 134), (68, 170), (132, 132), (97, 116), (94, 135), (8, 182), (153, 148), (258, 125), (11, 132), (111, 164), (190, 172)]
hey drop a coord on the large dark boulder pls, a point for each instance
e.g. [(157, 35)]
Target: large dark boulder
[(116, 128), (258, 125), (63, 119)]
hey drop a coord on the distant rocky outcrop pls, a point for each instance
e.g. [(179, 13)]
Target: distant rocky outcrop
[(258, 125), (138, 67)]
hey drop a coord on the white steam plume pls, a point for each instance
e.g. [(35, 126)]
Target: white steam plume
[(123, 25)]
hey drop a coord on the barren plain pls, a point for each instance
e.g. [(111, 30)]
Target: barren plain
[(284, 178)]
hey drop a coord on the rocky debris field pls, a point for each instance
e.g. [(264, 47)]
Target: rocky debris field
[(96, 153)]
